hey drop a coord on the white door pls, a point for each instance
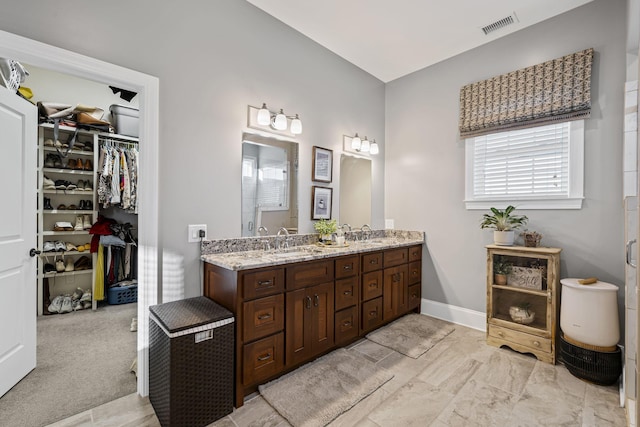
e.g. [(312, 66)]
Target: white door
[(18, 147)]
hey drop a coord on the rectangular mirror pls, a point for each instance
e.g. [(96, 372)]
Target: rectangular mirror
[(355, 191), (269, 185)]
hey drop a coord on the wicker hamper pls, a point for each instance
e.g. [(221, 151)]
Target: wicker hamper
[(191, 345)]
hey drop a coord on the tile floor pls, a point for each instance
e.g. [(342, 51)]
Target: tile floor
[(461, 381)]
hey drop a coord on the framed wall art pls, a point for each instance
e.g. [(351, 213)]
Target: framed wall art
[(321, 198), (322, 166)]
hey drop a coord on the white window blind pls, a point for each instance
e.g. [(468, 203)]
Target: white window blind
[(273, 190), (533, 164)]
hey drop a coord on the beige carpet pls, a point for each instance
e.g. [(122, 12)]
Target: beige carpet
[(412, 335), (83, 360), (317, 393)]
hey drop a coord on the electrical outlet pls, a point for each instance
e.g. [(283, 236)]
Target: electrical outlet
[(194, 232)]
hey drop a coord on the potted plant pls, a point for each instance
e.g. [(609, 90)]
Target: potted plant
[(503, 223), (325, 228), (501, 269)]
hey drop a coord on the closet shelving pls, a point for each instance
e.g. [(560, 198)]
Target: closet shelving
[(70, 280)]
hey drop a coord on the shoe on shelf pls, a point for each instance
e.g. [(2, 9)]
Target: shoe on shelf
[(83, 263), (48, 142), (57, 161), (69, 266), (67, 305), (56, 304), (86, 222), (86, 299), (49, 268), (47, 204), (88, 166), (62, 226), (78, 226), (48, 183), (72, 207), (60, 246), (88, 186), (60, 184), (71, 164), (60, 265), (48, 247), (88, 205), (62, 207), (77, 294), (70, 186), (76, 305), (48, 161), (70, 246)]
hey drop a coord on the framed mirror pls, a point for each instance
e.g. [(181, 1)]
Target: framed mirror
[(355, 190), (269, 185)]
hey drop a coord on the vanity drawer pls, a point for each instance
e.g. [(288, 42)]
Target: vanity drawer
[(371, 285), (263, 359), (371, 262), (346, 293), (347, 266), (262, 317), (395, 257), (262, 283), (371, 314), (415, 296), (521, 338), (309, 273), (346, 324), (415, 253), (415, 272)]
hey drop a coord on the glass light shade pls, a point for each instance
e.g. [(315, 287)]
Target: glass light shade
[(356, 143), (264, 116), (374, 148), (280, 122), (296, 126), (366, 145)]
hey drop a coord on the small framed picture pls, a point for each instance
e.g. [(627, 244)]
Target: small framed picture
[(321, 202), (322, 166)]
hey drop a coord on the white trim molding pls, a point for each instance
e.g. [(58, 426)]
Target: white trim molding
[(458, 315)]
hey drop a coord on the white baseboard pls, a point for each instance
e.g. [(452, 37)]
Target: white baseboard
[(458, 315)]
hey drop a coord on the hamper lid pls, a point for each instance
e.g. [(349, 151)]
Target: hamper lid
[(189, 313), (598, 286)]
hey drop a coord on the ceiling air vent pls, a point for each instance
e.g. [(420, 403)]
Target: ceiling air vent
[(500, 24)]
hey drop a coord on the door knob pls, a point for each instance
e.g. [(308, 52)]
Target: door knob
[(33, 252)]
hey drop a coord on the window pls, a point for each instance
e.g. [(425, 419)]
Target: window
[(533, 168)]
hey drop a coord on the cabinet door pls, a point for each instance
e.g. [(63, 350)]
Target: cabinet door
[(263, 317), (347, 266), (346, 325), (322, 317), (298, 329), (346, 292), (371, 314), (395, 292), (371, 285)]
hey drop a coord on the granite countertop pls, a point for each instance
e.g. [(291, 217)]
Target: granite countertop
[(243, 260)]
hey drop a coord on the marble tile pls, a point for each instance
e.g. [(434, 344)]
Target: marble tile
[(507, 370), (407, 407), (470, 342), (257, 412), (366, 423), (602, 407), (223, 422), (556, 382), (479, 404), (372, 351), (466, 371), (82, 419), (123, 411)]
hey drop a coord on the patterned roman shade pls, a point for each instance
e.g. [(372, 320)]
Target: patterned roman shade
[(556, 90)]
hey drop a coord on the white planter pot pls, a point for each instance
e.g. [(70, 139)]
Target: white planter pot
[(503, 238)]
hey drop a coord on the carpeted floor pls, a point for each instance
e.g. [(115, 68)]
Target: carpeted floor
[(83, 360)]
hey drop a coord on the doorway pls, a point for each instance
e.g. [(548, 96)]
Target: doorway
[(149, 256)]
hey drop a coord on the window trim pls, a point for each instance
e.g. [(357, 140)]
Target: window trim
[(576, 180)]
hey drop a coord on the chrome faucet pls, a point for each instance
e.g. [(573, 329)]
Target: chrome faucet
[(366, 231), (261, 229), (279, 245), (266, 246)]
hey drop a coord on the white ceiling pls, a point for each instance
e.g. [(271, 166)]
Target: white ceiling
[(392, 38)]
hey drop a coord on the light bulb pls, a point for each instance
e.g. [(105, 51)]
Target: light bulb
[(356, 142), (365, 145), (374, 148), (280, 122), (264, 115), (296, 126)]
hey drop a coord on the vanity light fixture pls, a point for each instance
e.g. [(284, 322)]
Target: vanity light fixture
[(358, 145), (278, 121)]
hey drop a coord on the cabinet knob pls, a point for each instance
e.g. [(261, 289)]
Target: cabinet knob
[(373, 261), (264, 357), (308, 301), (316, 300), (347, 292), (536, 343), (347, 323), (500, 334), (373, 285), (373, 313), (264, 282), (347, 267)]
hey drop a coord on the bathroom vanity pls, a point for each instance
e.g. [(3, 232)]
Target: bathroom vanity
[(295, 305)]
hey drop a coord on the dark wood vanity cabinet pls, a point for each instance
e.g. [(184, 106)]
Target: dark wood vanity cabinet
[(289, 314)]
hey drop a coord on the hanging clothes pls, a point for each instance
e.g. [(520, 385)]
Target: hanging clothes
[(118, 175)]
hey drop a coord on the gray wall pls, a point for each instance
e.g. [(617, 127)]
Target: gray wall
[(425, 154), (213, 58)]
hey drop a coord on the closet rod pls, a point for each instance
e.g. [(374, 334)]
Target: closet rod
[(112, 142)]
